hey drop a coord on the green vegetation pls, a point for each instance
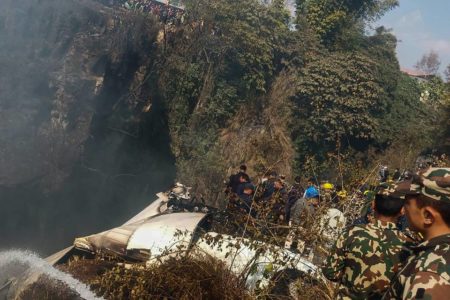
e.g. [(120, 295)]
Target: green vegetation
[(330, 19), (346, 96)]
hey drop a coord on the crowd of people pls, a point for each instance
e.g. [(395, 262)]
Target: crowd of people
[(273, 198), (282, 198), (380, 257)]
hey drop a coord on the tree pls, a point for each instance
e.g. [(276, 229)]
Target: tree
[(445, 141), (328, 18), (380, 47), (406, 116), (434, 91), (447, 73), (225, 55), (429, 63), (337, 97)]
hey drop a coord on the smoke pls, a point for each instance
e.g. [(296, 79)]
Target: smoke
[(78, 154)]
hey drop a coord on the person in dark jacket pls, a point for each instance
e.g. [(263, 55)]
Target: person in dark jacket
[(384, 174), (237, 179), (243, 180), (246, 196), (397, 175), (269, 186)]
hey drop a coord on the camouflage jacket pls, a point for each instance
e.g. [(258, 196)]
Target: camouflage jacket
[(426, 274), (366, 258)]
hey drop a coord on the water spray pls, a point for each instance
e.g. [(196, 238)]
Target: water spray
[(39, 265)]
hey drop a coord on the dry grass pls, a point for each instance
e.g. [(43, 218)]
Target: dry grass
[(186, 278), (259, 136), (304, 289), (47, 289), (88, 270), (202, 277)]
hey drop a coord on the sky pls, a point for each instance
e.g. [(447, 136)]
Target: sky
[(420, 26)]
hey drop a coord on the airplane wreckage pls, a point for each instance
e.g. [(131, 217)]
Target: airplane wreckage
[(174, 224)]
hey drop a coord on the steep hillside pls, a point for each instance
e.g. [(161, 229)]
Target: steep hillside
[(84, 140)]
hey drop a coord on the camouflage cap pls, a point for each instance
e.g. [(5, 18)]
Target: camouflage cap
[(389, 190), (434, 183)]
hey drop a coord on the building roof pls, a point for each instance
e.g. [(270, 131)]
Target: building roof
[(415, 72)]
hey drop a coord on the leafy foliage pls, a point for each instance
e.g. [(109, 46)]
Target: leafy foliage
[(446, 126), (335, 100), (329, 18), (433, 91), (214, 67), (348, 91), (408, 117)]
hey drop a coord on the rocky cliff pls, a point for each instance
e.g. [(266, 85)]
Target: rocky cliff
[(83, 138)]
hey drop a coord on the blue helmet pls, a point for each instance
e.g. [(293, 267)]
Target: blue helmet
[(311, 192)]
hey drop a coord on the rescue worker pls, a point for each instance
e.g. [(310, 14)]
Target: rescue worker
[(243, 180), (366, 214), (311, 190), (269, 186), (384, 174), (341, 194), (246, 197), (427, 272), (235, 179), (327, 193), (366, 257), (397, 175), (287, 185), (407, 175), (294, 194), (303, 213), (277, 202), (303, 210)]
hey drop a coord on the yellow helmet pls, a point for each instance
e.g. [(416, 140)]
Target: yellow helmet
[(342, 194), (328, 186)]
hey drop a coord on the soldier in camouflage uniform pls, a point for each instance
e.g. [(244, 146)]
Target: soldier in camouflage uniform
[(426, 275), (367, 257)]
